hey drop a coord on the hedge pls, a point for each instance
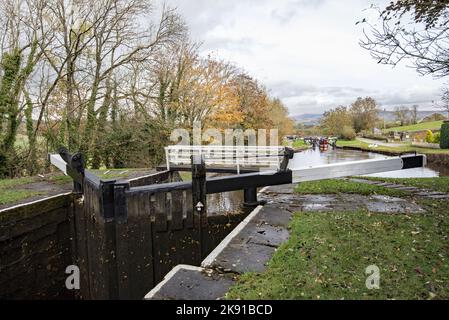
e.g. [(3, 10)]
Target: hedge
[(444, 138)]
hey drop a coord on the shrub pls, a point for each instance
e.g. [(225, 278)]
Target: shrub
[(348, 133), (429, 136), (419, 136), (444, 136), (434, 117), (436, 137)]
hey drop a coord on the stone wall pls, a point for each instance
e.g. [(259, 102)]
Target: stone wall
[(438, 159)]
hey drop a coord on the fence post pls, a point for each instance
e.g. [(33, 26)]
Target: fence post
[(199, 193), (75, 168), (250, 198), (288, 154), (107, 189)]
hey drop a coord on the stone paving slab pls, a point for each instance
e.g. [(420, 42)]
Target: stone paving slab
[(362, 181), (264, 235), (344, 202), (247, 248), (414, 191), (403, 188), (248, 257), (285, 189), (393, 207), (438, 197), (191, 283), (274, 216), (428, 193), (252, 244), (395, 186)]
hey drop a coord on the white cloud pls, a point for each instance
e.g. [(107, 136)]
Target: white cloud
[(304, 51)]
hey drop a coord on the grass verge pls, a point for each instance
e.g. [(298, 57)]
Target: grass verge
[(431, 125), (299, 144), (406, 148), (11, 192), (327, 255), (11, 196), (343, 186)]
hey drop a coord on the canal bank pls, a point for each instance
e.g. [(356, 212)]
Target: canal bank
[(342, 231), (435, 157)]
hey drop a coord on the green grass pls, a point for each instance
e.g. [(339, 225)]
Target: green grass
[(328, 253), (60, 179), (117, 173), (440, 184), (351, 143), (11, 196), (406, 148), (12, 183), (432, 125), (11, 192), (344, 186), (300, 144), (186, 176)]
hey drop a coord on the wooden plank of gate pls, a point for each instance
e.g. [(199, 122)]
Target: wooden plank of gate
[(100, 265), (91, 239), (109, 252), (135, 247), (183, 242), (146, 241), (122, 250), (81, 247), (188, 207), (99, 244), (160, 211), (177, 210), (162, 253)]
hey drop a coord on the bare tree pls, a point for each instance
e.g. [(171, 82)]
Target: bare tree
[(402, 115), (91, 43), (22, 45), (444, 103), (414, 114), (422, 40)]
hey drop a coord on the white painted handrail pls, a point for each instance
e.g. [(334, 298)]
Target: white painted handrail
[(261, 156)]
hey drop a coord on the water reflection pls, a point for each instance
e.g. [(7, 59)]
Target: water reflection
[(225, 202)]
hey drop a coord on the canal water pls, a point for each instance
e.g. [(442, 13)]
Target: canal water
[(230, 202), (316, 157)]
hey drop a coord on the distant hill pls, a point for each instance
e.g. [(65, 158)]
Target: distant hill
[(433, 125), (314, 118), (308, 118), (390, 117)]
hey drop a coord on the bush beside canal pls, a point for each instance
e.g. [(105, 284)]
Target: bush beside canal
[(444, 136)]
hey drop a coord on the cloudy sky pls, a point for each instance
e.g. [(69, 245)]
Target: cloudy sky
[(305, 52)]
